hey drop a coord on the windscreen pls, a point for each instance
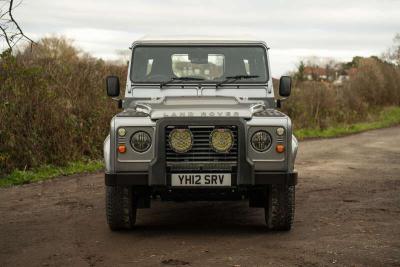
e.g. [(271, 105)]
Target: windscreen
[(202, 63)]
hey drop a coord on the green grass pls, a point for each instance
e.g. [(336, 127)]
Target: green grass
[(387, 117), (46, 172)]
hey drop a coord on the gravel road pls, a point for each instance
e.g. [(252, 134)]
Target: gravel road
[(347, 214)]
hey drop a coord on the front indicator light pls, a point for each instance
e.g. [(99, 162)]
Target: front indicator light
[(280, 148), (122, 149)]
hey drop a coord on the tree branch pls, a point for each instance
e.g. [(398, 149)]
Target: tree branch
[(12, 32), (6, 37), (15, 22)]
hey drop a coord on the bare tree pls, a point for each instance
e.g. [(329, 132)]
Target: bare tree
[(393, 53), (10, 31)]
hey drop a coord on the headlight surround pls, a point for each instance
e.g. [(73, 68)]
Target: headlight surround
[(261, 141), (180, 140), (221, 140), (141, 141)]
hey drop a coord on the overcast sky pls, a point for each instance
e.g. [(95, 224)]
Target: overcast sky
[(293, 29)]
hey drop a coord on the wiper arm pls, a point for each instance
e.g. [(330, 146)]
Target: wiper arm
[(232, 79), (187, 78)]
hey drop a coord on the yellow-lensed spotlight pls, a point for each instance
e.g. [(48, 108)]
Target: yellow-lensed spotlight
[(221, 140), (180, 140)]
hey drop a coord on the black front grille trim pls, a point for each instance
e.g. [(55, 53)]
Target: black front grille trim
[(201, 150), (158, 169)]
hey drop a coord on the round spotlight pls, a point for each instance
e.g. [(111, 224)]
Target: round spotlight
[(141, 141), (261, 141), (221, 140), (180, 140)]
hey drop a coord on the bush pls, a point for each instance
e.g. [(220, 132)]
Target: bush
[(54, 108), (318, 105)]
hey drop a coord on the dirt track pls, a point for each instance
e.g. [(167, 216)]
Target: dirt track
[(347, 214)]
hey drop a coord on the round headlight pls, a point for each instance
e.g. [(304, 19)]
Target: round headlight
[(180, 140), (141, 141), (221, 140), (280, 131), (261, 141)]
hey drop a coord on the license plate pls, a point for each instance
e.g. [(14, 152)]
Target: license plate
[(201, 179)]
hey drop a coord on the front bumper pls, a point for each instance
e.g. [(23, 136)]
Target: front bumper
[(142, 179)]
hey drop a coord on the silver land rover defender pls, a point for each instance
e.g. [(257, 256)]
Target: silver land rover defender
[(200, 122)]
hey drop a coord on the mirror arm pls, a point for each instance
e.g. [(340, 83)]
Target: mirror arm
[(119, 102), (279, 102)]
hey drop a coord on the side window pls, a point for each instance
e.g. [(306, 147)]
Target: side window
[(149, 66), (247, 66)]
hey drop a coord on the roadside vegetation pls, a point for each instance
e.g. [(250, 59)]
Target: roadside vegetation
[(385, 118), (54, 112), (54, 109), (45, 172)]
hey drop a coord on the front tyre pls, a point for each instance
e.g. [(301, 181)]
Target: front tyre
[(121, 207), (280, 206)]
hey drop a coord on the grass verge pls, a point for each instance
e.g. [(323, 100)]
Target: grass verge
[(18, 177), (386, 118)]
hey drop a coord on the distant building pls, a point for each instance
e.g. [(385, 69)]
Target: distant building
[(315, 73), (341, 79), (345, 76), (337, 75)]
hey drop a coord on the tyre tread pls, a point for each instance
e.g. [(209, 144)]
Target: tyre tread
[(280, 209), (120, 207)]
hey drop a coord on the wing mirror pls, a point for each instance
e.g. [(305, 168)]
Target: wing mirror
[(285, 86), (112, 83)]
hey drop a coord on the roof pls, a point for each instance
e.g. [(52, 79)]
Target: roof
[(184, 39)]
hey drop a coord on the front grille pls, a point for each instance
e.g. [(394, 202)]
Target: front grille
[(201, 151)]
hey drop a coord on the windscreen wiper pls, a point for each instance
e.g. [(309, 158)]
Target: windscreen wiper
[(232, 79), (187, 78)]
